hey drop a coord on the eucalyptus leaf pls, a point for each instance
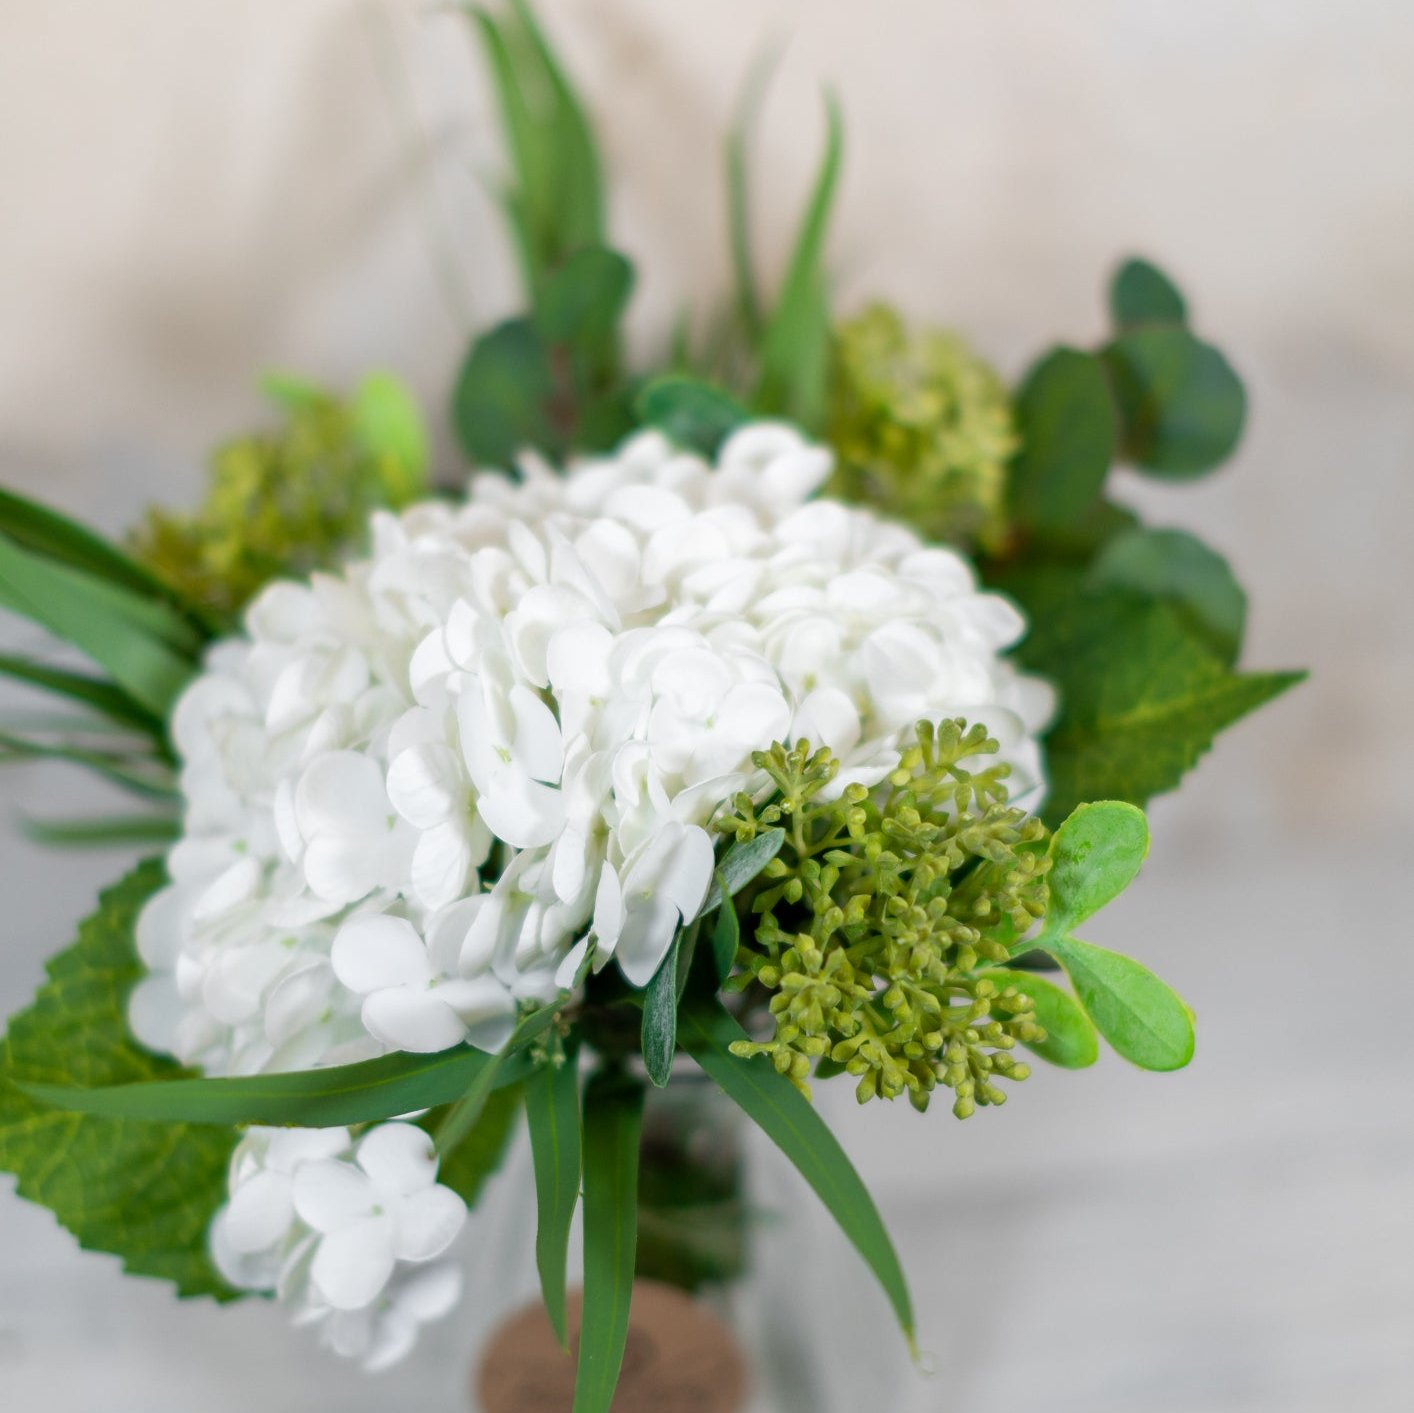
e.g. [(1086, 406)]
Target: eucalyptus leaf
[(613, 1121), (467, 1167), (695, 415), (660, 1017), (552, 1112), (1070, 1040), (1095, 856), (789, 1121), (1143, 1019), (1142, 294)]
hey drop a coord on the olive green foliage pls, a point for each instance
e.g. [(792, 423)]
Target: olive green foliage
[(293, 499), (923, 428), (872, 922)]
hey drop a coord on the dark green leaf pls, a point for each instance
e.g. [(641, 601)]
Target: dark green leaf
[(1142, 294), (1095, 855), (466, 1168), (1173, 565), (583, 301), (502, 402), (787, 1119), (693, 414), (741, 863), (660, 1017), (1068, 428), (1142, 1018), (552, 1109), (613, 1120), (1181, 405), (146, 1192), (102, 696), (1070, 1040), (726, 940)]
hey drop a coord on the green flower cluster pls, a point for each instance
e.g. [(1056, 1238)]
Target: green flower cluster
[(285, 502), (923, 429), (874, 918)]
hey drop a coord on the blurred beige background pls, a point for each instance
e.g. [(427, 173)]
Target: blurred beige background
[(195, 190)]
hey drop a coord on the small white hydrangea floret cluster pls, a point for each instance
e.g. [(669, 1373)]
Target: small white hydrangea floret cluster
[(346, 1232), (420, 791)]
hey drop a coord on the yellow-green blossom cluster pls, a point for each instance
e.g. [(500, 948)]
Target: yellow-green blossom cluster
[(873, 921), (923, 428)]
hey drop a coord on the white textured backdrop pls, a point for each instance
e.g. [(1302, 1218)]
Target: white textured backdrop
[(198, 189)]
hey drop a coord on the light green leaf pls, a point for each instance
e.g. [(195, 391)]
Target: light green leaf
[(1142, 1018), (466, 1168), (1142, 294), (1181, 405), (1068, 435), (695, 415), (1173, 565), (103, 831), (1070, 1040), (94, 692), (788, 1120), (748, 112), (741, 863), (146, 1192), (327, 1098), (552, 1109), (1095, 855), (502, 398), (613, 1120), (389, 423)]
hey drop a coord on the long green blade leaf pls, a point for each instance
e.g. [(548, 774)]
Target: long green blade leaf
[(102, 696), (103, 831), (788, 1120), (552, 1113), (613, 1121), (748, 112), (660, 1017), (124, 771)]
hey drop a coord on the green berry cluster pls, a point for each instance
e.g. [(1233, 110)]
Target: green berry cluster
[(871, 924)]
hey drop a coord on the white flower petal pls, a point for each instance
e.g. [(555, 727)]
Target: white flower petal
[(353, 1264), (259, 1213), (398, 1158), (405, 1018), (329, 1194), (374, 952), (428, 1223)]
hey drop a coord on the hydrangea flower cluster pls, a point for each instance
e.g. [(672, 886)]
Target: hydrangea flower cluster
[(421, 791), (344, 1232)]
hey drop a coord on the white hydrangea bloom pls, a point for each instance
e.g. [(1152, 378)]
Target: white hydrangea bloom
[(343, 1231), (420, 790)]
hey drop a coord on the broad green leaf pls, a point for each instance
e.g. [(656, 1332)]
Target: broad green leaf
[(1181, 405), (748, 112), (1174, 565), (1070, 1034), (1142, 294), (660, 1017), (787, 1119), (583, 301), (94, 692), (327, 1098), (1142, 1018), (552, 1111), (1095, 856), (695, 415), (146, 647), (146, 1192), (796, 342), (726, 940), (1068, 433), (389, 423), (613, 1121), (1142, 691), (741, 863), (103, 831), (503, 394), (466, 1168)]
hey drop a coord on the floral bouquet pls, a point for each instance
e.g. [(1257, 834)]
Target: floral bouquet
[(789, 707)]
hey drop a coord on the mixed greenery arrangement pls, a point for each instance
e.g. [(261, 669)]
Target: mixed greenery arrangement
[(887, 899)]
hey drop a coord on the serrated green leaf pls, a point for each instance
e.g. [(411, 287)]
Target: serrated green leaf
[(613, 1121), (327, 1098), (102, 696), (741, 863), (501, 404), (552, 1111), (389, 423), (145, 1192), (1174, 565), (1071, 1041), (1095, 855), (1068, 435), (788, 1120), (1142, 294), (695, 415), (1181, 405), (466, 1168), (1143, 1019)]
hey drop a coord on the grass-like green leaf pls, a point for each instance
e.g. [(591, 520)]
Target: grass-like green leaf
[(695, 415), (613, 1121), (1143, 1019), (1181, 404), (146, 1192), (788, 1120), (1178, 567), (1142, 294), (741, 863), (552, 1112), (1068, 436), (466, 1168), (94, 692), (138, 776), (748, 112), (103, 831), (1070, 1040), (1095, 855)]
